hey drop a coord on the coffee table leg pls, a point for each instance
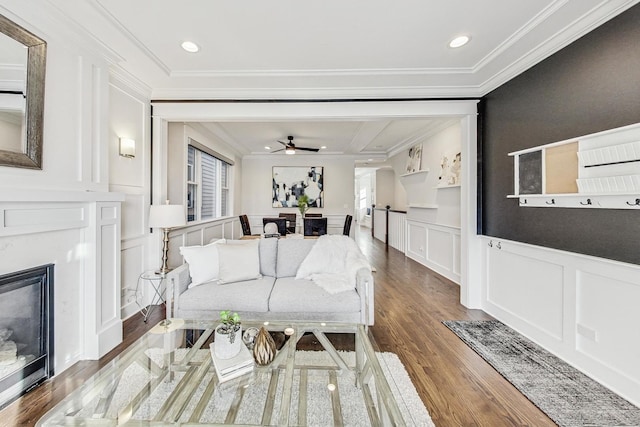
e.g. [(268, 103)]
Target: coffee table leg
[(359, 355)]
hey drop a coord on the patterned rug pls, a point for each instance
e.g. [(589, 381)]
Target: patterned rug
[(566, 395)]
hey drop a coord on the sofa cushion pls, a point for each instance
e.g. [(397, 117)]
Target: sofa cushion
[(203, 262), (268, 249), (239, 262), (268, 256), (250, 295), (295, 295), (291, 253)]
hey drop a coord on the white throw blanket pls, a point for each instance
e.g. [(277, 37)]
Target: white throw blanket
[(332, 263)]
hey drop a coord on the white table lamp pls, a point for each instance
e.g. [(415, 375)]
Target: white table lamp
[(166, 217)]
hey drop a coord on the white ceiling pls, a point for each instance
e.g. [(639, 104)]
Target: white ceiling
[(330, 49)]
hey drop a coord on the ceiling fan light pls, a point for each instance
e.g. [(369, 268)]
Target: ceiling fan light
[(290, 150)]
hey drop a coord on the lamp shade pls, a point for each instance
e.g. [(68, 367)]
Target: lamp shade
[(127, 147), (166, 216)]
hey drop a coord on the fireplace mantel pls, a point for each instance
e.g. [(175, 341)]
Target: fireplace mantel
[(91, 220)]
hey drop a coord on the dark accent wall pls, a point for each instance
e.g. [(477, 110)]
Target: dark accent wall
[(589, 86)]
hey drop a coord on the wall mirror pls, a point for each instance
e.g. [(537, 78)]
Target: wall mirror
[(22, 75)]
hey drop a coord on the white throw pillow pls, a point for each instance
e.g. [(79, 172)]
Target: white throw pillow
[(203, 262), (238, 262)]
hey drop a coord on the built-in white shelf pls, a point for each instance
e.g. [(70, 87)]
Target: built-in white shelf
[(423, 206), (600, 170), (447, 186), (416, 173)]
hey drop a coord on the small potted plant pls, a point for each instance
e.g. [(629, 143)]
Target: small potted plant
[(228, 335), (303, 204)]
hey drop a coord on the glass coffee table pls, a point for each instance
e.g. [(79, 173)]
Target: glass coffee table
[(167, 378)]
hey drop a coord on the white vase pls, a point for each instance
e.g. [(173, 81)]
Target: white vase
[(223, 347)]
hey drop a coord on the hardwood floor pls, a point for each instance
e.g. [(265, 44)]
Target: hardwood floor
[(455, 384)]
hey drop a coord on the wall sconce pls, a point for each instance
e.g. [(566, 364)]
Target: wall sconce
[(127, 147)]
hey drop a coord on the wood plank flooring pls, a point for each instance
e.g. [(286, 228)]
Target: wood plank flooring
[(455, 384)]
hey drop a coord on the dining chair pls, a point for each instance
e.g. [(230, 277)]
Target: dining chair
[(246, 227), (347, 225), (315, 226), (313, 215), (291, 217), (280, 222)]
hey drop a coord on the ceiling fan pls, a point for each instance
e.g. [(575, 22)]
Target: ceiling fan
[(290, 147)]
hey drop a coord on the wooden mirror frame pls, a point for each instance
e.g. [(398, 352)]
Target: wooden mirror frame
[(31, 158)]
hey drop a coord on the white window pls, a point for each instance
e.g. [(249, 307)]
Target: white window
[(207, 186)]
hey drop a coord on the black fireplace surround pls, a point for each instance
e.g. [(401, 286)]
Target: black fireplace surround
[(26, 331)]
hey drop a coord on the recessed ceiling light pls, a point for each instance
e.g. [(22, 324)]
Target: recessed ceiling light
[(324, 147), (459, 41), (190, 46), (266, 147)]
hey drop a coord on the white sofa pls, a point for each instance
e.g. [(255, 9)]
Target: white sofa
[(275, 294)]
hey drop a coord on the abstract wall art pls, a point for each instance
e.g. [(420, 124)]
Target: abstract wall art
[(289, 183)]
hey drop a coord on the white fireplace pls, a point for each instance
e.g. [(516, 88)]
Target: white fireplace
[(78, 232)]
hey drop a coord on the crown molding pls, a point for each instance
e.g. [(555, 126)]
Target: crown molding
[(100, 9), (407, 92), (360, 72), (589, 21), (126, 81)]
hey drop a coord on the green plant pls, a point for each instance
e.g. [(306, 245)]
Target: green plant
[(303, 204), (229, 324)]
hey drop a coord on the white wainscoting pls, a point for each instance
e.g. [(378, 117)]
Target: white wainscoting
[(583, 309), (133, 254), (200, 234), (398, 230), (380, 224), (434, 246)]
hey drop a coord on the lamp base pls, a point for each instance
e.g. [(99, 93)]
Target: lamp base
[(165, 252)]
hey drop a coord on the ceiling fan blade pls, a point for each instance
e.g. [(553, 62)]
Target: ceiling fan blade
[(283, 143), (315, 150), (275, 151)]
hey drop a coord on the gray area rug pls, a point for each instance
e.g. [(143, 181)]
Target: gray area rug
[(566, 395)]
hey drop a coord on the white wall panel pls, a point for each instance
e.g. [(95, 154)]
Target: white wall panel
[(134, 211), (397, 230), (435, 246), (527, 288), (193, 237), (380, 224), (133, 264), (457, 245), (440, 248), (417, 241), (608, 319), (583, 309), (214, 231)]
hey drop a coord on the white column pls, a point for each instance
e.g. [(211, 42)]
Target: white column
[(102, 322)]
